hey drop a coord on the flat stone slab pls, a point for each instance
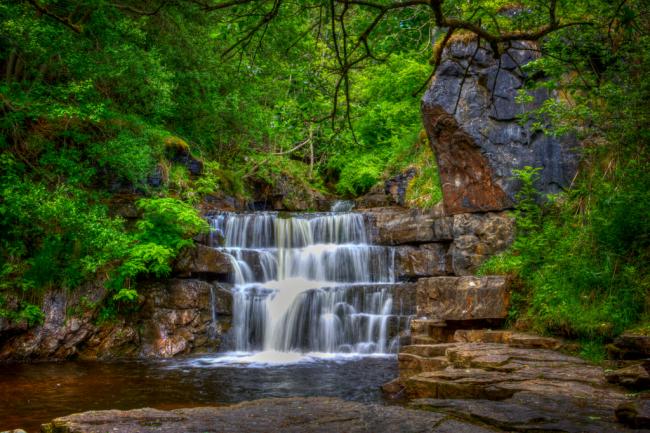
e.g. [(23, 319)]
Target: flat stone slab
[(287, 415)]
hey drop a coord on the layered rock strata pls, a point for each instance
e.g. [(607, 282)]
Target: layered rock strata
[(515, 382)]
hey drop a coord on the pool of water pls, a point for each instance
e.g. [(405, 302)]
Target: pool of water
[(31, 394)]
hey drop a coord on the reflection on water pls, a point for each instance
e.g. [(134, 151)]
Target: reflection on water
[(31, 394)]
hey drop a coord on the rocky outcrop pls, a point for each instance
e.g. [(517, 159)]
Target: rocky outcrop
[(635, 376), (463, 298), (68, 323), (174, 316), (288, 415), (466, 240), (470, 115), (390, 193)]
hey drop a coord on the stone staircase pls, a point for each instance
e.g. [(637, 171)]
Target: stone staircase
[(510, 381)]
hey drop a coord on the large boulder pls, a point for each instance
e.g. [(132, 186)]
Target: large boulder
[(463, 298), (470, 115)]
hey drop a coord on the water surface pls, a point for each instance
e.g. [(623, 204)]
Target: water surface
[(31, 394)]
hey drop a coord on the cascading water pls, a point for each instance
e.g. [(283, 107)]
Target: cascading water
[(306, 283)]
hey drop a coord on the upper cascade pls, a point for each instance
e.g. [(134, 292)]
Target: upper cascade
[(306, 282)]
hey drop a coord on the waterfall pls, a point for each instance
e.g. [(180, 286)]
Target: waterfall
[(306, 282)]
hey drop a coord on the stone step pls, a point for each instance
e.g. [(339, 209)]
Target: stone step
[(423, 339), (427, 350), (513, 339), (410, 364), (463, 298)]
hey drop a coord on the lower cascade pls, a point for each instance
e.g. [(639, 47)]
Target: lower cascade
[(307, 283)]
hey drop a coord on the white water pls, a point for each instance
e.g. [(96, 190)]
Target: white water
[(308, 286)]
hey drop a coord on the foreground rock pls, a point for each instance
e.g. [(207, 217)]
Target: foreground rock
[(513, 382), (291, 415)]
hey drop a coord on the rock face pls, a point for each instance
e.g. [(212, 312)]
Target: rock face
[(470, 115), (427, 260), (178, 318), (477, 237), (290, 415), (463, 298), (175, 316), (60, 335)]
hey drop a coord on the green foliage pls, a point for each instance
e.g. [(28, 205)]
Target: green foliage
[(581, 275), (424, 190), (359, 174), (167, 225)]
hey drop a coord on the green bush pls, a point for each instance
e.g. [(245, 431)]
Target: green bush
[(581, 274), (167, 225)]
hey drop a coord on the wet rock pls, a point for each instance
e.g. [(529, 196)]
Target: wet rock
[(202, 260), (469, 113), (290, 415), (426, 260), (177, 317), (635, 376), (463, 298), (635, 414), (477, 237)]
